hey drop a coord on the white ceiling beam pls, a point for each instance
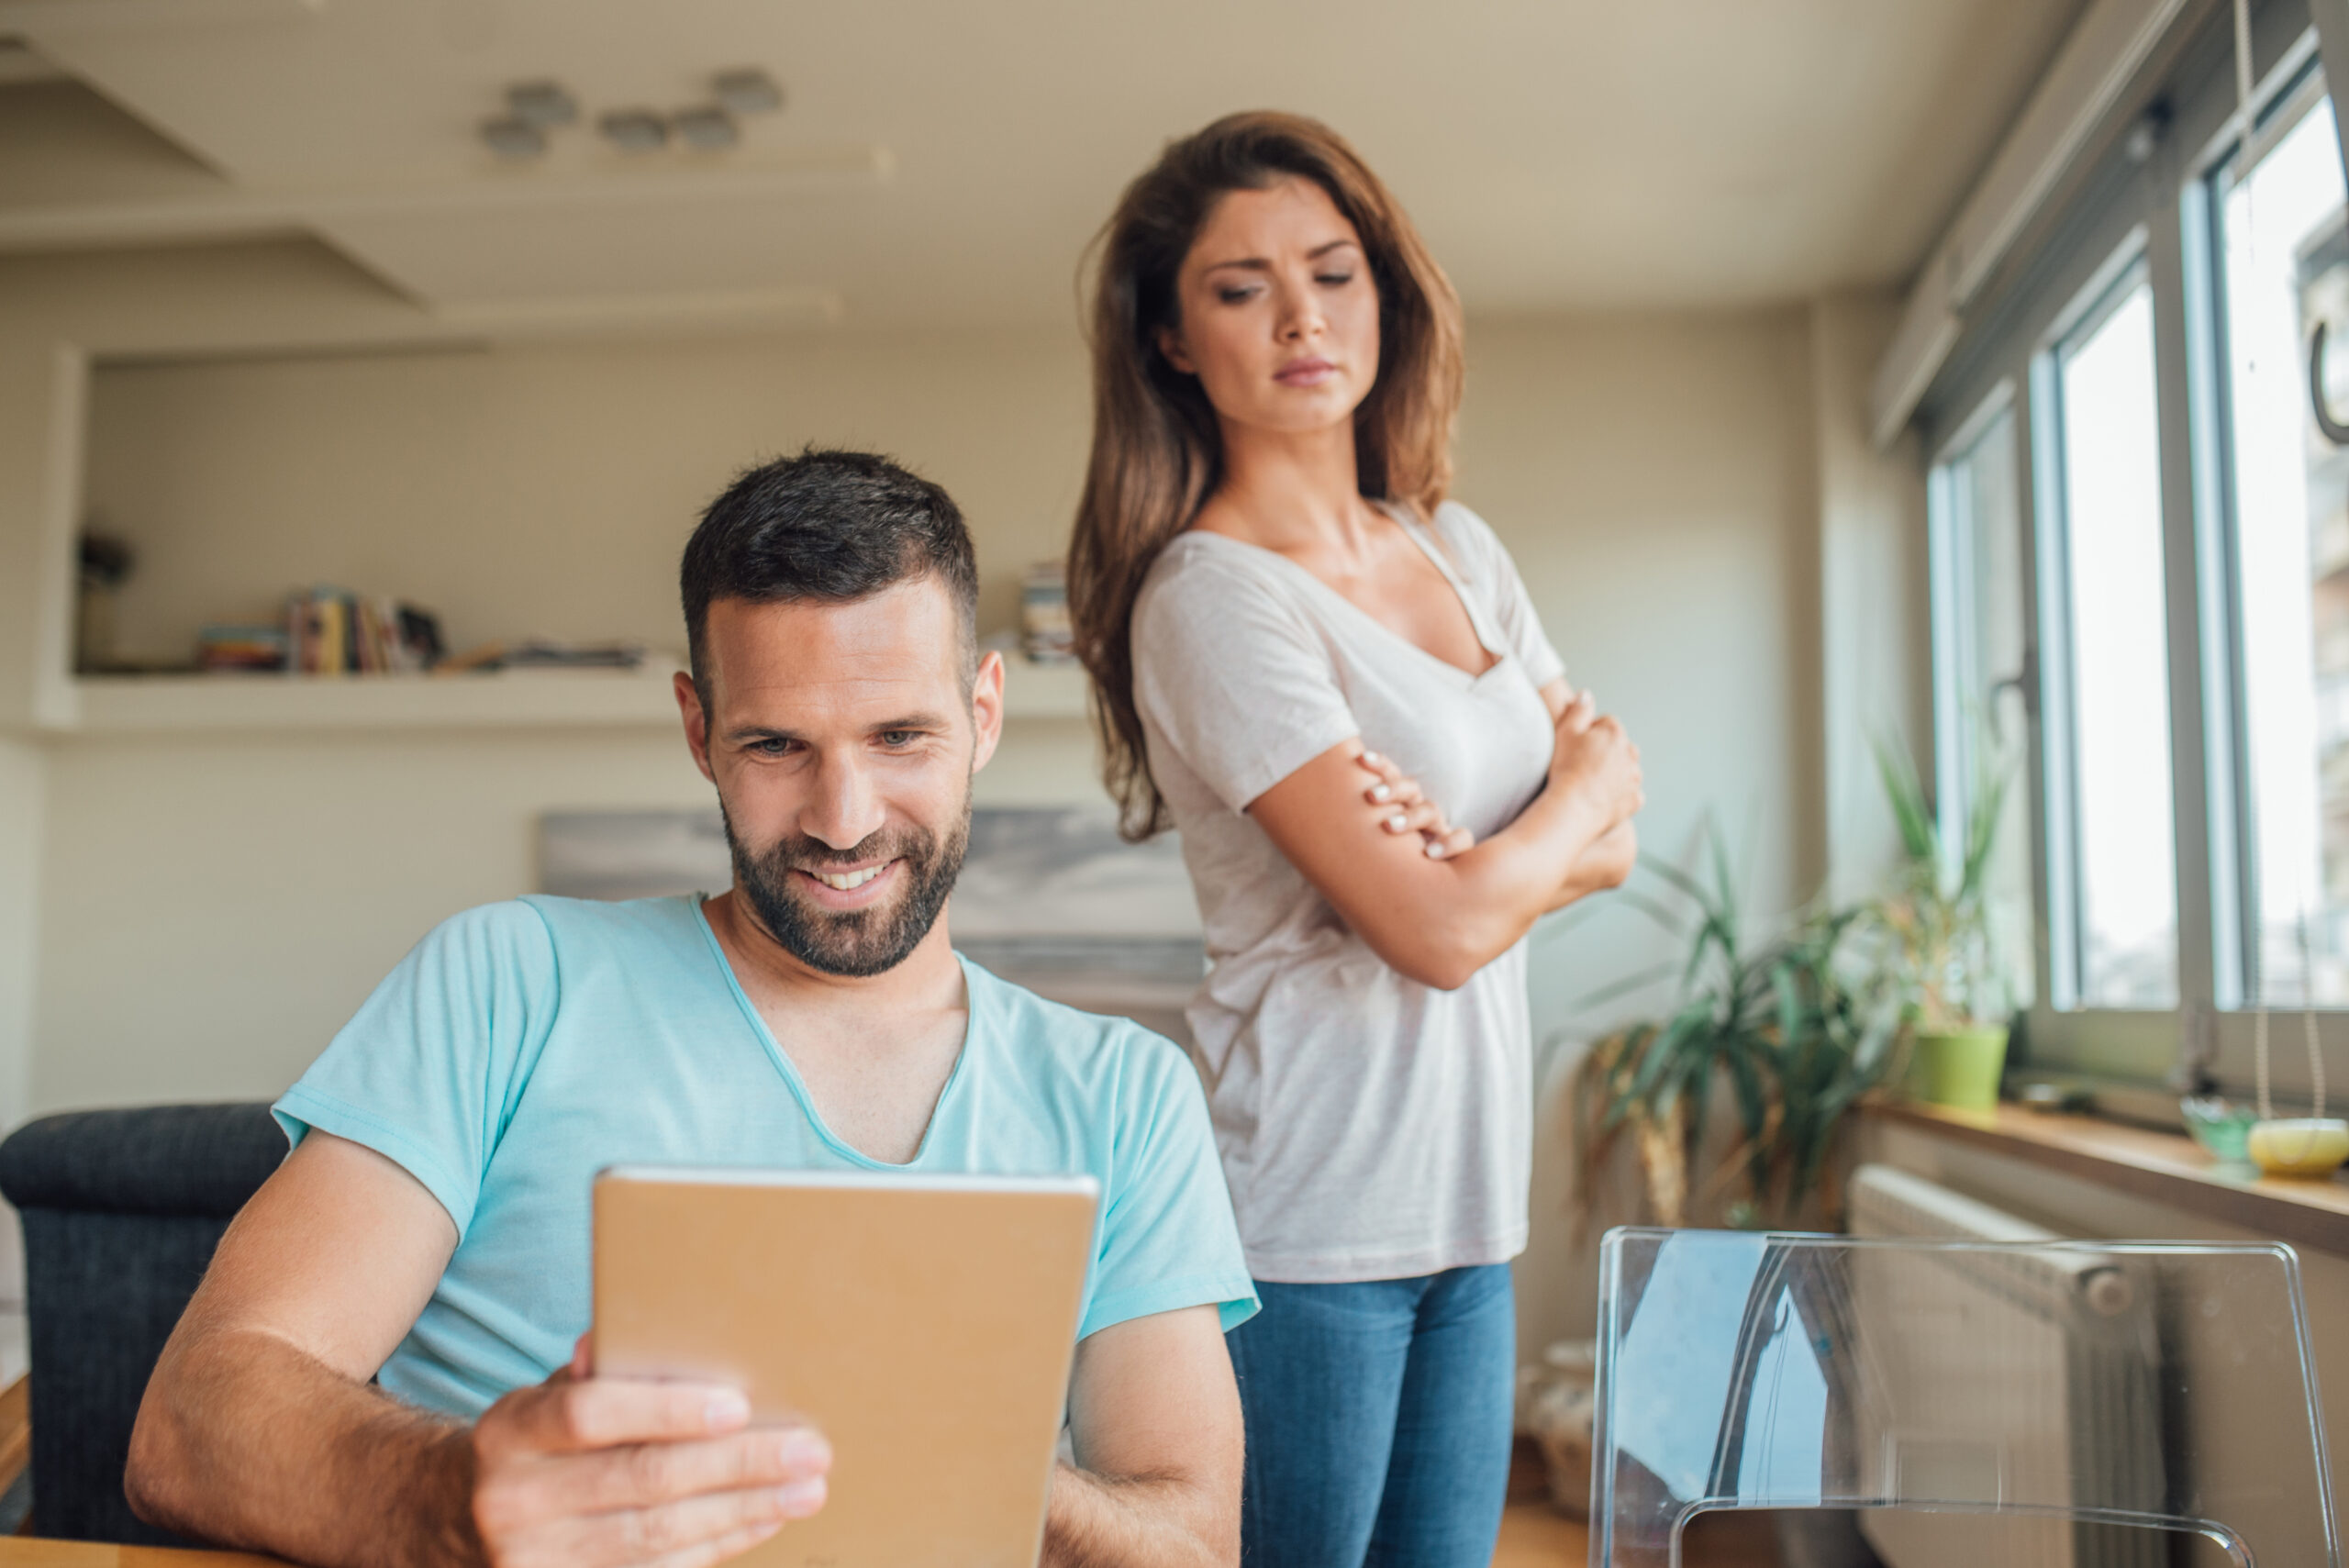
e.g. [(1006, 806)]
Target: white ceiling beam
[(234, 212), (36, 17), (2107, 46)]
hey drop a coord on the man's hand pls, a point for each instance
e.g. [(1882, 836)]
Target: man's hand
[(582, 1471)]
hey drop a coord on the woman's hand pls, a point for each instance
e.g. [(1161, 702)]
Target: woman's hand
[(1395, 799), (1596, 762)]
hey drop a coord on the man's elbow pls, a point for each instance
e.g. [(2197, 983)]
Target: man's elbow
[(158, 1479), (152, 1480)]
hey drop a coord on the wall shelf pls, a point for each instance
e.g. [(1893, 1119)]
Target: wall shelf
[(139, 705)]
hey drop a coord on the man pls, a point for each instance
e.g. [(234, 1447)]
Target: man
[(429, 1230)]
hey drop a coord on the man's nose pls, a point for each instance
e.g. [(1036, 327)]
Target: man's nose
[(844, 810)]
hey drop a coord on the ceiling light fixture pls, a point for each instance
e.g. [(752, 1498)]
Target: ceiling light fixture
[(634, 131), (710, 129), (747, 90), (511, 137), (542, 103)]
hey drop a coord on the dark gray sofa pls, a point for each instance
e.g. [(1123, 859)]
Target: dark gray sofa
[(121, 1211)]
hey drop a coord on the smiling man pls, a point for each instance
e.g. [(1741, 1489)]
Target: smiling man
[(381, 1367)]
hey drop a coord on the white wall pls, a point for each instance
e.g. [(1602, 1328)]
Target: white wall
[(1655, 478), (547, 489)]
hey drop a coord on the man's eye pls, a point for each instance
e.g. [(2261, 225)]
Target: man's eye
[(770, 746), (899, 737)]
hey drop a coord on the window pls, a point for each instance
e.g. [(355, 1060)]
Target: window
[(2286, 263), (2140, 557), (1983, 664), (2112, 747)]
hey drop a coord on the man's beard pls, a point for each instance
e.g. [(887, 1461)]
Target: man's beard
[(857, 942)]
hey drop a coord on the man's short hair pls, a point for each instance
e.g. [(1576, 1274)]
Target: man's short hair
[(831, 526)]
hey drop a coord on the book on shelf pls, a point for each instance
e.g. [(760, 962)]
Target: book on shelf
[(331, 632)]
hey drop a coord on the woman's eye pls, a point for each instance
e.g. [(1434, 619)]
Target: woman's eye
[(1334, 279), (1235, 296)]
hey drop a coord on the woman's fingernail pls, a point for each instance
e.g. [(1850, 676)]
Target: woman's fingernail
[(1380, 791), (1394, 823), (727, 1409), (1435, 851), (1372, 758)]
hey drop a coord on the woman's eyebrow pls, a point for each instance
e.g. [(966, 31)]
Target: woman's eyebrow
[(1258, 263)]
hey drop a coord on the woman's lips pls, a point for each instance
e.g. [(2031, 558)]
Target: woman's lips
[(1304, 372)]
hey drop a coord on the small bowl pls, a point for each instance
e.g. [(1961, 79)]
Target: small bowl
[(2300, 1146), (2220, 1125)]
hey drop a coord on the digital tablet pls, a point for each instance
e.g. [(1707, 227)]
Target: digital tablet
[(925, 1323)]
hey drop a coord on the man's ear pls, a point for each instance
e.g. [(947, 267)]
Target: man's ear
[(1170, 343), (696, 722), (987, 708)]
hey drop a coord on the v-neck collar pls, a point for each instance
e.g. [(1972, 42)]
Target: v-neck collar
[(798, 1085), (1486, 638)]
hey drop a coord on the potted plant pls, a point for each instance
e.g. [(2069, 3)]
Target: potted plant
[(1795, 1028), (1940, 930)]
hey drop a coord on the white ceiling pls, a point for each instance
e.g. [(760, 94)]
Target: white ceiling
[(943, 161)]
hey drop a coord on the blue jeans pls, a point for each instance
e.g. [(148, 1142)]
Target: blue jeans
[(1379, 1421)]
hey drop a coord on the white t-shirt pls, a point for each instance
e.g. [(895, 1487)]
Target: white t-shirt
[(1371, 1127)]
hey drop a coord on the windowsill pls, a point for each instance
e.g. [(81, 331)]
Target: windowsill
[(2163, 1167)]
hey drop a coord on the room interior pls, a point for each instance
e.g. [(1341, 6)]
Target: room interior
[(309, 292)]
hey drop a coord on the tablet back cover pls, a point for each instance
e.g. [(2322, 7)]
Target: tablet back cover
[(927, 1326)]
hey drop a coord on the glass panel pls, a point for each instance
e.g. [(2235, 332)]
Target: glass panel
[(2287, 269), (1981, 1402), (2118, 647), (1981, 655)]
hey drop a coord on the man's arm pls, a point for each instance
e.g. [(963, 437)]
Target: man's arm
[(1154, 1416), (259, 1429)]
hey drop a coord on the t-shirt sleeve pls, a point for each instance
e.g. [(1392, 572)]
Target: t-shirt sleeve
[(1234, 680), (1486, 562), (425, 1071), (1168, 1240)]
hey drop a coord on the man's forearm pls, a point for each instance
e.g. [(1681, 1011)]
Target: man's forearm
[(1094, 1522), (245, 1440)]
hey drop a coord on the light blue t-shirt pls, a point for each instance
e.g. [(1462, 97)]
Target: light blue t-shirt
[(523, 1047)]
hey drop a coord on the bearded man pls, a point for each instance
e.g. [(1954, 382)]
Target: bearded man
[(385, 1363)]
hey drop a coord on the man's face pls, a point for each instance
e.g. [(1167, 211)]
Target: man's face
[(842, 745)]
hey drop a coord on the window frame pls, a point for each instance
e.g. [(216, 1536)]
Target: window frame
[(2134, 208)]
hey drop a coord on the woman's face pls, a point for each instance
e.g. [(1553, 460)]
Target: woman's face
[(1279, 316)]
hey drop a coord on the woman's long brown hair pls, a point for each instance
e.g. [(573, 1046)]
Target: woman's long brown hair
[(1157, 453)]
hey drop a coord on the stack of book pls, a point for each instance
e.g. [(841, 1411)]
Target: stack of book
[(240, 648), (1046, 635), (330, 632)]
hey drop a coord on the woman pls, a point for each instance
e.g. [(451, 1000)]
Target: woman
[(1302, 650)]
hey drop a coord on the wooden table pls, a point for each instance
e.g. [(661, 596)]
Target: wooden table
[(31, 1552), (1532, 1537)]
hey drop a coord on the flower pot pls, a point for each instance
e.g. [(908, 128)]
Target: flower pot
[(1958, 1067), (1561, 1405)]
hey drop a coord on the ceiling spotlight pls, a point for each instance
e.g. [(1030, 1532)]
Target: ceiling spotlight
[(513, 137), (747, 92), (634, 131), (542, 103), (711, 129)]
